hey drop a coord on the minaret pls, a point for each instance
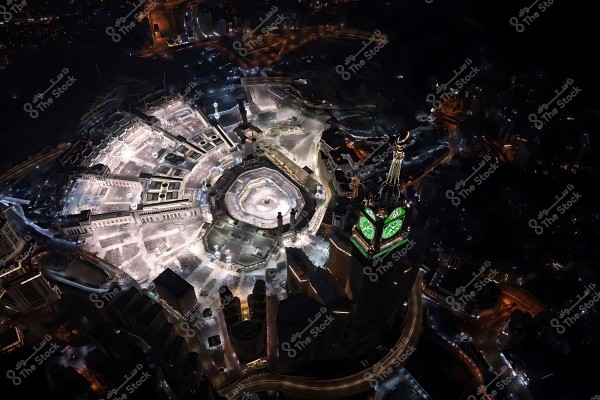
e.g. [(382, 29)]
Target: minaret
[(253, 147), (243, 147), (216, 106), (206, 188), (279, 225), (212, 197), (293, 224), (248, 148)]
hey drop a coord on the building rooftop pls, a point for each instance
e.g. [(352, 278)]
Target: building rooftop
[(173, 283), (9, 339), (321, 281)]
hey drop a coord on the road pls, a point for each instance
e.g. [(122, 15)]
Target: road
[(486, 328), (460, 354), (26, 167), (308, 387), (271, 81)]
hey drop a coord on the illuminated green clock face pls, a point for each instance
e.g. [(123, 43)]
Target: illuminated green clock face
[(366, 227), (391, 229), (397, 213)]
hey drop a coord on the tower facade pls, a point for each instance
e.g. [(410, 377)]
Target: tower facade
[(381, 223)]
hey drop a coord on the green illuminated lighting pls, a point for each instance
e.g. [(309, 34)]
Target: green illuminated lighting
[(384, 251), (391, 229), (366, 227), (397, 213), (370, 213)]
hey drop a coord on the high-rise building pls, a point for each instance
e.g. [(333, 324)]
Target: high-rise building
[(11, 338), (11, 243), (257, 304), (178, 19), (583, 149), (246, 330), (381, 224), (205, 21), (308, 286), (221, 27), (25, 289), (232, 307), (376, 264), (248, 339), (176, 291)]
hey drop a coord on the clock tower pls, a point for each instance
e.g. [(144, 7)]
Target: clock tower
[(380, 227)]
